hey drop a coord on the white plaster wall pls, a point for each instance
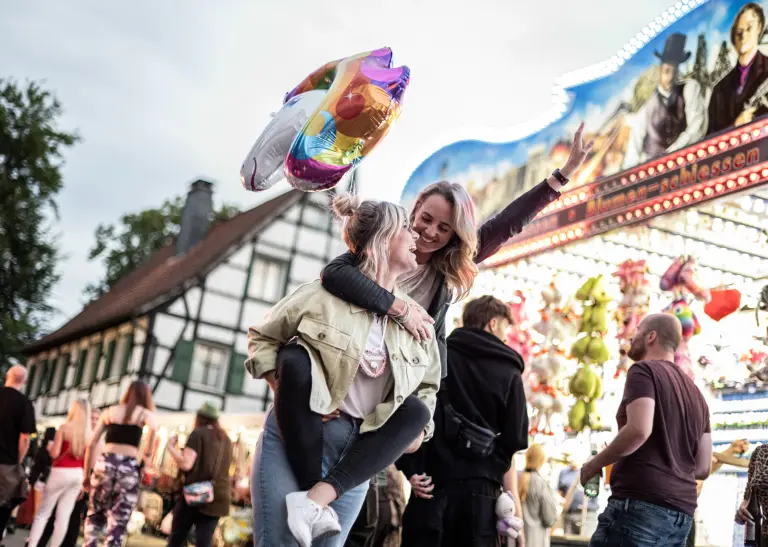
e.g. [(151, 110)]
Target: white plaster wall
[(238, 404), (241, 257), (220, 310), (227, 279), (168, 394)]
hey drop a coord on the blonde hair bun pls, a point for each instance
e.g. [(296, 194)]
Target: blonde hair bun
[(346, 205)]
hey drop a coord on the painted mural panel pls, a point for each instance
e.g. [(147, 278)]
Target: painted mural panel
[(704, 73)]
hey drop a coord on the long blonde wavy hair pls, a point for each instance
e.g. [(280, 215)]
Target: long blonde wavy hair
[(367, 228), (79, 421), (534, 459), (456, 261)]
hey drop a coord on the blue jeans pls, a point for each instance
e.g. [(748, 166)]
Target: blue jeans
[(272, 479), (630, 523)]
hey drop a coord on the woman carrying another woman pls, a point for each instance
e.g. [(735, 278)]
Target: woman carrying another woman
[(382, 381), (114, 484), (539, 505), (447, 250), (205, 462), (63, 486)]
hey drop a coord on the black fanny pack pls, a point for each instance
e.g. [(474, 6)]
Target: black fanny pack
[(469, 440)]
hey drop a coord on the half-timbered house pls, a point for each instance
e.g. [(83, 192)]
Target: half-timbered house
[(180, 320)]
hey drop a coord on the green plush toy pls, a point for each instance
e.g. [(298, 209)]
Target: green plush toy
[(589, 349)]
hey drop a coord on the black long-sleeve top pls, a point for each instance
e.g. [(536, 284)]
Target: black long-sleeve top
[(343, 279)]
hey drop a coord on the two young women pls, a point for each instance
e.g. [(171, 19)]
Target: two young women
[(338, 427)]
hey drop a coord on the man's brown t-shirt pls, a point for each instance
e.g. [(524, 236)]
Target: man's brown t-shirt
[(214, 458), (662, 470)]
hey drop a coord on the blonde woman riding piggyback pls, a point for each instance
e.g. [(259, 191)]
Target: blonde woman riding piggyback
[(338, 358)]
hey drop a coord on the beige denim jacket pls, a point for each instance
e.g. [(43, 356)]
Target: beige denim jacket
[(334, 334)]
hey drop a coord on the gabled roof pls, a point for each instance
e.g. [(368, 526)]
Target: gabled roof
[(165, 276)]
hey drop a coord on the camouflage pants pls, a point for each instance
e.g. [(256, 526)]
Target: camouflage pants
[(114, 494)]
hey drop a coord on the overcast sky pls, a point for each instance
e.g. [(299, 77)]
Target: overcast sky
[(164, 92)]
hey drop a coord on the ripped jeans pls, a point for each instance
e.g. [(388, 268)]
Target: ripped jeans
[(272, 479)]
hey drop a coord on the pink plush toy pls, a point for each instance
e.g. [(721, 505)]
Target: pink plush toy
[(519, 338)]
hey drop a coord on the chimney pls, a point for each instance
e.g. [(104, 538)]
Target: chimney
[(196, 216)]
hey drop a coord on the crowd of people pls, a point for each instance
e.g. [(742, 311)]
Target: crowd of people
[(87, 473)]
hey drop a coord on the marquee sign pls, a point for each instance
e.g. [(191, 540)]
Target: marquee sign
[(711, 169)]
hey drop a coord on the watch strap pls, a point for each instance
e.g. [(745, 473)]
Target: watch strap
[(559, 176)]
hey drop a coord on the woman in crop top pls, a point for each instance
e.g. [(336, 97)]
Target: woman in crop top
[(113, 479), (63, 485)]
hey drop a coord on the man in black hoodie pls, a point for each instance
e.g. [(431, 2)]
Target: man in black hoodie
[(455, 491)]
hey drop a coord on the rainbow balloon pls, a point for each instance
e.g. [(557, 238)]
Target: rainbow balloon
[(364, 98)]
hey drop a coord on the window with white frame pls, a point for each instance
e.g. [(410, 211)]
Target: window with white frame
[(209, 366), (267, 278)]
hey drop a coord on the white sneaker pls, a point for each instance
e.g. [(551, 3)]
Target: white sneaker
[(327, 525), (307, 520)]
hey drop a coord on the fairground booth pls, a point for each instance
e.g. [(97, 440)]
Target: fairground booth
[(668, 213)]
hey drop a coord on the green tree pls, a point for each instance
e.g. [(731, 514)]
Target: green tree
[(31, 148), (126, 245)]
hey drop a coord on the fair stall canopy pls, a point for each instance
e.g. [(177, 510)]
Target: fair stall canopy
[(679, 163)]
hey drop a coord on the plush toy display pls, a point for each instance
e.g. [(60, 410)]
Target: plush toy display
[(543, 393), (507, 524), (543, 390), (519, 338), (557, 318), (590, 349), (635, 288), (680, 279)]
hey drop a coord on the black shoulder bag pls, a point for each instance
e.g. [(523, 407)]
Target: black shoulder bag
[(468, 439)]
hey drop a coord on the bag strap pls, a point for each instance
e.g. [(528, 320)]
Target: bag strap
[(218, 459)]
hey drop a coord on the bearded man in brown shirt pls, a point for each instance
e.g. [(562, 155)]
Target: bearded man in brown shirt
[(663, 446)]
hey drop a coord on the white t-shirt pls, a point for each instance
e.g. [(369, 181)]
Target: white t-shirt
[(366, 393)]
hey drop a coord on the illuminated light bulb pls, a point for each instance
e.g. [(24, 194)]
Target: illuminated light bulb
[(660, 167), (641, 174), (570, 234), (722, 145), (711, 149), (687, 198), (732, 183), (676, 201), (620, 218), (719, 187), (582, 196), (623, 180), (559, 204), (734, 141), (657, 207), (753, 177), (647, 210), (701, 153), (756, 133), (638, 213), (632, 177), (667, 204), (680, 160), (548, 240), (696, 194), (567, 201), (651, 170), (708, 191), (670, 164), (690, 156), (579, 232), (744, 137)]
